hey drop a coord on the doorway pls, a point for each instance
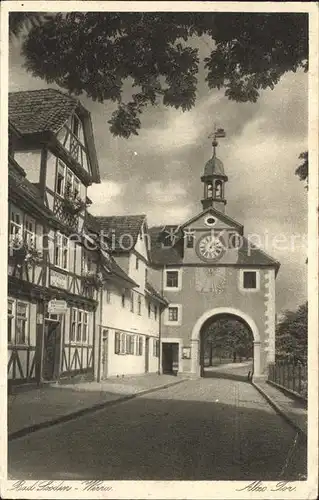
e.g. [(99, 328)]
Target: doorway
[(51, 349), (105, 340), (147, 351), (226, 348), (170, 353)]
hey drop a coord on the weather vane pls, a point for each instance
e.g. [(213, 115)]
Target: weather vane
[(218, 133)]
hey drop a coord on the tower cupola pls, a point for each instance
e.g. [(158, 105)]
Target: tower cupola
[(214, 178)]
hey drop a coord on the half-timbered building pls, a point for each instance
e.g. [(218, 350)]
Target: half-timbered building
[(52, 294)]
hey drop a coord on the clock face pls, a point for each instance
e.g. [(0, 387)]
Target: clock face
[(210, 248)]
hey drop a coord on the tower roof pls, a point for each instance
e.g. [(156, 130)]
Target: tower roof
[(214, 166)]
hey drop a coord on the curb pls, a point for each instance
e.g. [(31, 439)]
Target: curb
[(280, 411), (85, 411)]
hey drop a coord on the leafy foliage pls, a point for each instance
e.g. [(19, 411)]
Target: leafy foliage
[(20, 21), (303, 169), (230, 338), (97, 53), (292, 335)]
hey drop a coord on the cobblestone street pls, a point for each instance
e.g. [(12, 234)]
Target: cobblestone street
[(206, 429)]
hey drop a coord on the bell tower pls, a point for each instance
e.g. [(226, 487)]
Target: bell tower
[(214, 178)]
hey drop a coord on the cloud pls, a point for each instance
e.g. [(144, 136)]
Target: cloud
[(162, 192), (105, 196)]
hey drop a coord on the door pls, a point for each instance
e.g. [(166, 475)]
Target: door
[(147, 348), (167, 358), (105, 340), (51, 350)]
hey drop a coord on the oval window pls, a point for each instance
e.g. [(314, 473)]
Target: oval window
[(210, 221)]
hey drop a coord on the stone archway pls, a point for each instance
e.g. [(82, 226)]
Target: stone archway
[(218, 311)]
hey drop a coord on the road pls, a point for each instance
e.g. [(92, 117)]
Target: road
[(206, 429)]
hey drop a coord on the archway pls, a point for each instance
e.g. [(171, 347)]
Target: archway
[(226, 348), (208, 318)]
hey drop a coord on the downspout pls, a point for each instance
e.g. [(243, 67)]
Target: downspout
[(99, 336), (160, 331)]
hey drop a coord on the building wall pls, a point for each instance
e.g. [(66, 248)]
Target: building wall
[(30, 161), (116, 318), (227, 294)]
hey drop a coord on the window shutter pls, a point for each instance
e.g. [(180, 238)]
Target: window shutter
[(117, 343)]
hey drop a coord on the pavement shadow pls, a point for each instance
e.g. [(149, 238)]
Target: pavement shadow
[(163, 437), (226, 375)]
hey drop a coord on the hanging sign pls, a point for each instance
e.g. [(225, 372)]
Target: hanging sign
[(57, 306)]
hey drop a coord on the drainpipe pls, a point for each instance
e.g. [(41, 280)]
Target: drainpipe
[(160, 330), (99, 336)]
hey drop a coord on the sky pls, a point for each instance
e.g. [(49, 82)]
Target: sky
[(158, 172)]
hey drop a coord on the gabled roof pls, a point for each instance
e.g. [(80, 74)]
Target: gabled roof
[(223, 217), (47, 110), (152, 292), (122, 228), (159, 254), (42, 110), (248, 254)]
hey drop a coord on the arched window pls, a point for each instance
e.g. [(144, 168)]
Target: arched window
[(209, 190), (218, 189)]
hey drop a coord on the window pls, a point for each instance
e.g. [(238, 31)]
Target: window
[(79, 326), (173, 313), (139, 305), (123, 299), (16, 218), (60, 178), (172, 279), (10, 321), (250, 279), (137, 263), (75, 125), (67, 184), (76, 187), (132, 301), (189, 241), (155, 313), (130, 344), (149, 309), (73, 325), (85, 327), (87, 262), (146, 275), (21, 323), (18, 320), (122, 343), (61, 251), (29, 231), (108, 296), (218, 189)]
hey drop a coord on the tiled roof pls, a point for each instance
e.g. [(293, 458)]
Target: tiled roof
[(91, 223), (40, 110), (113, 269), (160, 254), (124, 227), (248, 254), (151, 290)]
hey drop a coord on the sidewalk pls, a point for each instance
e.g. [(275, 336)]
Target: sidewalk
[(53, 403), (291, 409)]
